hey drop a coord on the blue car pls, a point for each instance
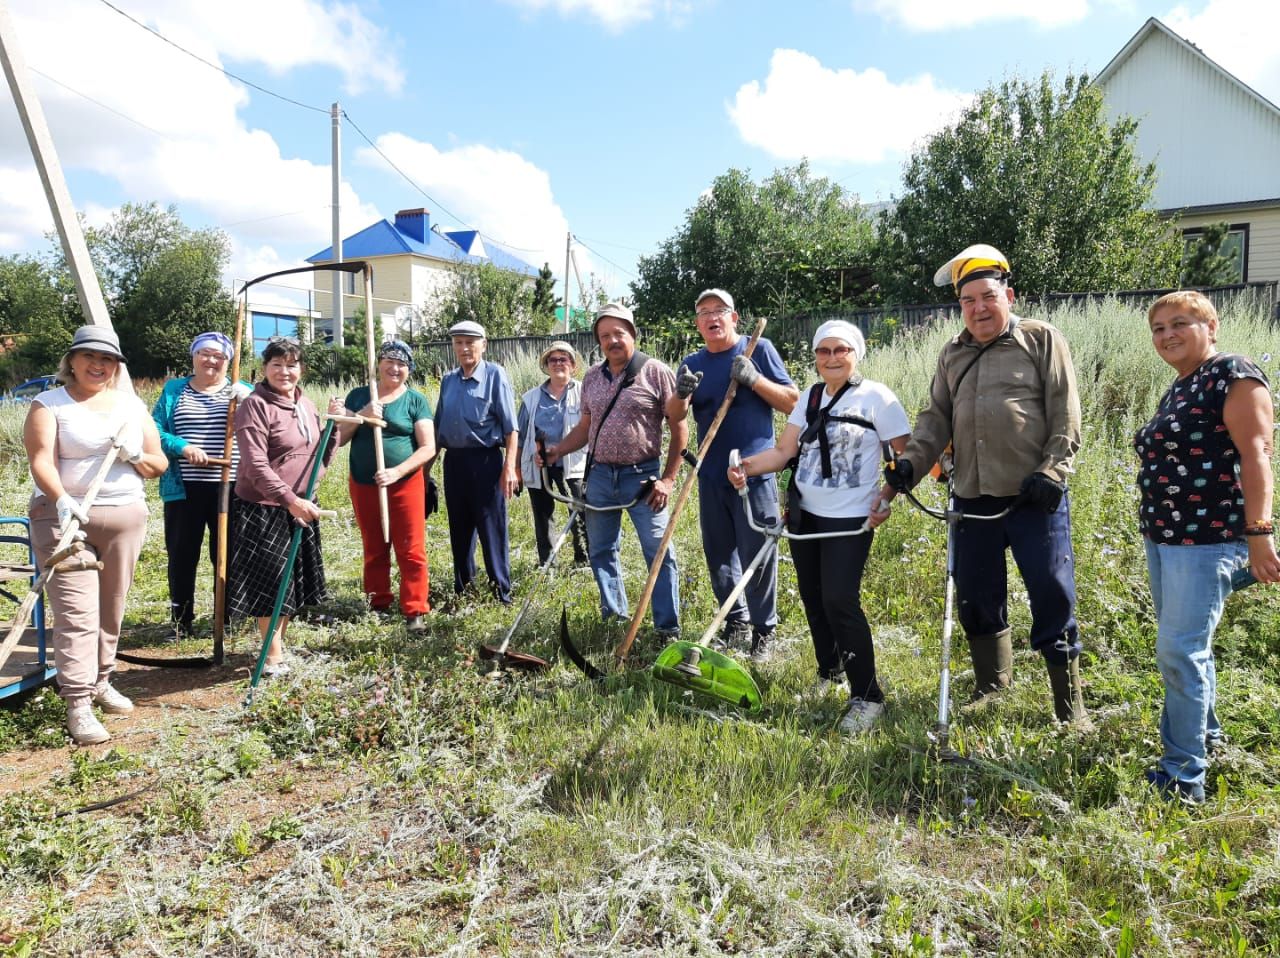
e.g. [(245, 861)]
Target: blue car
[(29, 390)]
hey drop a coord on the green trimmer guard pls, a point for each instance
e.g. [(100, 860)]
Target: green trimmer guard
[(700, 669)]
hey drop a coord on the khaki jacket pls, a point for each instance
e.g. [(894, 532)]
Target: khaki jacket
[(1016, 412)]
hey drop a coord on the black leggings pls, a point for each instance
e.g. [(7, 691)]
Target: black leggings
[(829, 574), (185, 521), (544, 508)]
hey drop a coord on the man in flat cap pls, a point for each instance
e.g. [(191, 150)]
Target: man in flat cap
[(475, 422), (624, 404), (1004, 397), (763, 388)]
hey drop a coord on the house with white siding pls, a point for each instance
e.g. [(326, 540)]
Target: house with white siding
[(413, 262), (1214, 139)]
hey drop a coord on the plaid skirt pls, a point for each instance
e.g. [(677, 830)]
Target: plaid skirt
[(260, 541)]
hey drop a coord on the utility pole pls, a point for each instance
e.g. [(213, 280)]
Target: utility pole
[(568, 251), (338, 278), (74, 248)]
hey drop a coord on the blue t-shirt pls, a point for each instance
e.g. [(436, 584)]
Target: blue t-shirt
[(748, 425)]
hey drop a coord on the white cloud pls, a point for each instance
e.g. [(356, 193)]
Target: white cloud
[(175, 135), (804, 109), (504, 196), (24, 214), (926, 15), (1239, 35), (615, 15)]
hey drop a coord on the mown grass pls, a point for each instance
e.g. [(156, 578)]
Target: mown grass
[(393, 797)]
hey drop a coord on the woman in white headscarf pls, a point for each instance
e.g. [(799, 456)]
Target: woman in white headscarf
[(834, 436)]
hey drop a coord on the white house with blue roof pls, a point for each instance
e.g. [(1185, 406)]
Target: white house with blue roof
[(412, 263)]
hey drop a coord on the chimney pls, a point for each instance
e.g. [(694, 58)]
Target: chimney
[(414, 223)]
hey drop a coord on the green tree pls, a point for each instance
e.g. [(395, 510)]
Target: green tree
[(500, 300), (793, 242), (175, 295), (544, 301), (1205, 263), (1039, 171), (38, 310)]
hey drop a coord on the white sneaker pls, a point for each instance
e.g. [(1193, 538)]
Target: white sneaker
[(83, 725), (277, 670), (861, 717), (111, 701), (822, 686)]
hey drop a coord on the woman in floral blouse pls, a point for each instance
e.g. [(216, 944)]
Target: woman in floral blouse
[(1206, 496)]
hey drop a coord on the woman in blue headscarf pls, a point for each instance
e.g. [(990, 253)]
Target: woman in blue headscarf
[(191, 415)]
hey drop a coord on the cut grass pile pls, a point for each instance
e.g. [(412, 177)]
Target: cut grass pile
[(391, 797)]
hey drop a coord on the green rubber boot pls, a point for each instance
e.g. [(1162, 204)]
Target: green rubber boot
[(1068, 695), (992, 657)]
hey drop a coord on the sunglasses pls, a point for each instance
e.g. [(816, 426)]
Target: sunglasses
[(822, 352)]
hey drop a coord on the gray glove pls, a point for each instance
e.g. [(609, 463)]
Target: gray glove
[(686, 382), (744, 371), (241, 391)]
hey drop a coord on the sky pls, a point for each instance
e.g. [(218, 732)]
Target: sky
[(525, 119)]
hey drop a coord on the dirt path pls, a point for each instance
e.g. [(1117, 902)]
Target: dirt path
[(162, 699)]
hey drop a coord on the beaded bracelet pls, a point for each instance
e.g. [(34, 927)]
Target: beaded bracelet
[(1259, 527)]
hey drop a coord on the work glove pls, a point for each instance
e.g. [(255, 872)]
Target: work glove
[(744, 371), (241, 391), (131, 449), (69, 509), (899, 475), (433, 496), (686, 382), (1040, 491)]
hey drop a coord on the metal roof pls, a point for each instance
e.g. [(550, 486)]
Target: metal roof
[(384, 238)]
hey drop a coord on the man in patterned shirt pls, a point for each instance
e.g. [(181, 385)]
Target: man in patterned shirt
[(1004, 397), (624, 404)]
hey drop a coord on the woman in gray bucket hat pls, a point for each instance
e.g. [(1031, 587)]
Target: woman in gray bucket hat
[(69, 433)]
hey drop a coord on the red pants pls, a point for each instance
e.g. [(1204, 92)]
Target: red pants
[(407, 507)]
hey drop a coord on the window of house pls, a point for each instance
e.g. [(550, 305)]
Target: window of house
[(1237, 240)]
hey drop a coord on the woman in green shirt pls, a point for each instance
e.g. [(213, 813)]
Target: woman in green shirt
[(408, 443)]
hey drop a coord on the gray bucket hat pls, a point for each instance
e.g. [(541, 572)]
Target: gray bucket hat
[(617, 311), (100, 339)]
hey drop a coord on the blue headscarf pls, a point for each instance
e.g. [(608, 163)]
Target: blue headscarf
[(212, 340), (398, 350)]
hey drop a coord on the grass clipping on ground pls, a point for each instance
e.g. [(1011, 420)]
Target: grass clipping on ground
[(393, 797)]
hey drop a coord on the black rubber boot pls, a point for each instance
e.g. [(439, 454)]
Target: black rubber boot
[(1068, 696), (992, 657)]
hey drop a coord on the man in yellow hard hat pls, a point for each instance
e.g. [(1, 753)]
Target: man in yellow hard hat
[(1004, 397)]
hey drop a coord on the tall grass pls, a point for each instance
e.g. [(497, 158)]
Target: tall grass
[(412, 804)]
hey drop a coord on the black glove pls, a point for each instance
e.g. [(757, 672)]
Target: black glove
[(1040, 491), (899, 475), (433, 496), (687, 382)]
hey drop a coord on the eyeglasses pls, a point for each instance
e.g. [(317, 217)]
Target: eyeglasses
[(711, 313), (558, 360), (840, 352)]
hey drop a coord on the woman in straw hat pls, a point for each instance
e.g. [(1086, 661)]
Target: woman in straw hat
[(548, 412)]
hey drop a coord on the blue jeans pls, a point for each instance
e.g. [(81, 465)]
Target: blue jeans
[(730, 544), (1190, 585), (609, 485)]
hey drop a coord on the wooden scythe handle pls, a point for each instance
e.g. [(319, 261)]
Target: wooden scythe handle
[(624, 647)]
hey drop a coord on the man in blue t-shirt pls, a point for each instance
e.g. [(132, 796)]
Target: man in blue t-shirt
[(763, 387)]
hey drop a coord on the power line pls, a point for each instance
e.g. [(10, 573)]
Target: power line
[(307, 106), (629, 249), (606, 259), (211, 65), (434, 202), (99, 103)]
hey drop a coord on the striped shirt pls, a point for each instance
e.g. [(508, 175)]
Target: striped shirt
[(201, 419)]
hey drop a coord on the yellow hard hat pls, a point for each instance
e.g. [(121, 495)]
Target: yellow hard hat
[(977, 258)]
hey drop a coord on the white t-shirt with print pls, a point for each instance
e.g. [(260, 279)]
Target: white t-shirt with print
[(855, 450)]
